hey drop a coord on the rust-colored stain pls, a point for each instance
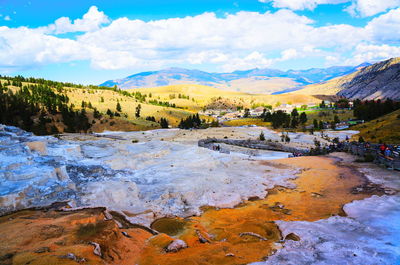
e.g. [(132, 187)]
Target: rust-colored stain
[(240, 235)]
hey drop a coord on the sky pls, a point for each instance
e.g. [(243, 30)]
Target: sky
[(89, 42)]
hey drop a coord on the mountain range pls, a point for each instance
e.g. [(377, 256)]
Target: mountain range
[(258, 81), (378, 81)]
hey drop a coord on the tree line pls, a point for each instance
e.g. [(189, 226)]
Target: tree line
[(281, 119), (372, 109), (34, 107), (192, 121)]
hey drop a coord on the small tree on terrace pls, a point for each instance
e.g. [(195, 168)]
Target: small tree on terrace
[(262, 137), (164, 123), (138, 109), (303, 118), (336, 119), (315, 123), (246, 113), (119, 109)]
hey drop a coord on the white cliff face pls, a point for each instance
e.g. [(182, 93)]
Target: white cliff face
[(28, 176), (173, 177)]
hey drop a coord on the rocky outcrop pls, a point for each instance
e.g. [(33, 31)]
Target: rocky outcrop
[(378, 81), (29, 176), (145, 180)]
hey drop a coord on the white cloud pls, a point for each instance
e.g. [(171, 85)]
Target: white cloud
[(372, 53), (302, 4), (366, 8), (236, 41), (91, 21), (363, 8), (24, 48), (385, 28), (7, 18), (252, 60)]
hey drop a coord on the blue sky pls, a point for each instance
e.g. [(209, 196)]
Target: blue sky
[(93, 41)]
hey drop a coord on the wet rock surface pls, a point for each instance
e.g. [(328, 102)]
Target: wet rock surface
[(312, 214), (164, 177)]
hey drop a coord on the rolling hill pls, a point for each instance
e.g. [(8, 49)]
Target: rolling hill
[(45, 106), (378, 81), (197, 97), (385, 129), (257, 81)]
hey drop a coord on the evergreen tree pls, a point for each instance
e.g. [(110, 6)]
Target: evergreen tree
[(303, 118), (294, 122), (164, 123), (246, 113), (315, 123), (336, 119), (321, 125), (138, 109), (294, 113), (261, 137), (333, 125), (110, 113)]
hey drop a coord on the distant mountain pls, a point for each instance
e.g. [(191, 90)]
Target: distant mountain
[(262, 81), (378, 81)]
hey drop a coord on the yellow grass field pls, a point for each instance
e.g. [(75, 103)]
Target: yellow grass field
[(246, 122), (200, 96), (189, 99), (385, 129)]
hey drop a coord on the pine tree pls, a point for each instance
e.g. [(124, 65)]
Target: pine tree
[(246, 113), (303, 118), (110, 113), (164, 123), (295, 113), (321, 125), (315, 123), (336, 119), (262, 137), (137, 112), (294, 122), (119, 109)]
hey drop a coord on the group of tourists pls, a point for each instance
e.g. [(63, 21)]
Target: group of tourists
[(386, 151), (216, 147)]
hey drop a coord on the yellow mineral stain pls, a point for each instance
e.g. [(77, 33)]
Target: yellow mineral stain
[(322, 188), (240, 235), (43, 237)]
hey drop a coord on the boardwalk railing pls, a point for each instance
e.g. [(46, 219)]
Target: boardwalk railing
[(253, 144), (372, 152)]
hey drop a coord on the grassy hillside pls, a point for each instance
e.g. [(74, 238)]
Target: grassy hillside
[(331, 87), (90, 99), (196, 97), (106, 99), (114, 109), (384, 129)]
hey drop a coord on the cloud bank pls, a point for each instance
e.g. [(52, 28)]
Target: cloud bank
[(234, 42), (362, 8)]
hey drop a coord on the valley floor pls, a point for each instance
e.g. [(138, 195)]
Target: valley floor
[(126, 198)]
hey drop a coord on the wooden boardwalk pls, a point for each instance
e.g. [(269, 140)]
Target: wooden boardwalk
[(360, 149)]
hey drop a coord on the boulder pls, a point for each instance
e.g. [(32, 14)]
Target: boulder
[(292, 236), (176, 245), (38, 146)]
